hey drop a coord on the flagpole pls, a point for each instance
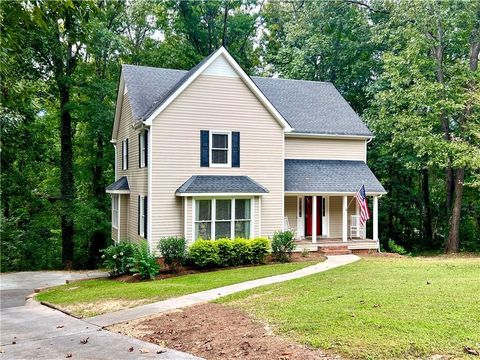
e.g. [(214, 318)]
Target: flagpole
[(354, 196)]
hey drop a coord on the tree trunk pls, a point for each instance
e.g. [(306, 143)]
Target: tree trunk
[(426, 209), (67, 191), (453, 242)]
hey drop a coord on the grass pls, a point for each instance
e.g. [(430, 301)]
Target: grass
[(377, 308), (95, 297)]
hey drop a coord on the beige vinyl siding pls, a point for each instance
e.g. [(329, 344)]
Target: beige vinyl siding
[(137, 177), (332, 149), (114, 234), (336, 215), (213, 103), (291, 211)]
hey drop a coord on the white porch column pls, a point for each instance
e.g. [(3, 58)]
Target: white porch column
[(375, 218), (344, 218), (314, 219)]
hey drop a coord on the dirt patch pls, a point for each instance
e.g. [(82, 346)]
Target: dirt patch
[(214, 331), (84, 310)]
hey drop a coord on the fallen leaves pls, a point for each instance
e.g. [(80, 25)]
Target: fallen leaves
[(68, 355), (471, 351), (130, 349), (84, 341)]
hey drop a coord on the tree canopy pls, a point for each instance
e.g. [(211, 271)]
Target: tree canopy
[(409, 68)]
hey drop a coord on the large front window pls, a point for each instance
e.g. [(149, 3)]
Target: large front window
[(223, 218)]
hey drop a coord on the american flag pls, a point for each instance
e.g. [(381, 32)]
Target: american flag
[(361, 197)]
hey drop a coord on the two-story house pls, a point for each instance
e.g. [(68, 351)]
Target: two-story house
[(214, 153)]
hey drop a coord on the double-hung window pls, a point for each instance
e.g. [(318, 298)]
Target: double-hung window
[(142, 216), (115, 211), (125, 154), (222, 218), (143, 148), (220, 147)]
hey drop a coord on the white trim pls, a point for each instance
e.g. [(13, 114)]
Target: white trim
[(141, 216), (116, 159), (328, 136), (375, 218), (327, 215), (226, 195), (191, 240), (213, 216), (185, 215), (314, 218), (121, 192), (246, 79), (330, 193), (300, 219), (119, 227), (344, 218), (324, 217), (252, 217), (283, 184), (149, 191), (142, 149), (229, 147)]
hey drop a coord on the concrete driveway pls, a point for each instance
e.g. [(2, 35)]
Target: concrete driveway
[(29, 330)]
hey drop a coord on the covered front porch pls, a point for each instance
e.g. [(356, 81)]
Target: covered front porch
[(320, 206)]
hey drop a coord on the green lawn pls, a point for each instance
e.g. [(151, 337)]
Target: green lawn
[(94, 297), (377, 308)]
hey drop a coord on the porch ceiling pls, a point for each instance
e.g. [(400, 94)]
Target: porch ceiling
[(329, 176)]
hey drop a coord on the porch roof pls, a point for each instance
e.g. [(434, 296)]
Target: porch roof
[(220, 184), (118, 187), (330, 176)]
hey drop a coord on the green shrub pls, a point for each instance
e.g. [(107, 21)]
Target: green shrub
[(395, 248), (241, 251), (116, 258), (226, 253), (204, 253), (174, 251), (283, 245), (259, 248), (142, 262)]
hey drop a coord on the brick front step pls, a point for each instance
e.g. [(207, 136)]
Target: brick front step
[(335, 250)]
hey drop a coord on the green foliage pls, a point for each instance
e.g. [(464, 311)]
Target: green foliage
[(116, 258), (397, 248), (174, 251), (282, 245), (204, 253), (228, 252), (142, 262)]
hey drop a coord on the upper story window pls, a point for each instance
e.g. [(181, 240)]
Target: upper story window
[(125, 154), (143, 148), (220, 147)]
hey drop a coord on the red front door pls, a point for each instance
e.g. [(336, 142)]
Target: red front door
[(309, 215)]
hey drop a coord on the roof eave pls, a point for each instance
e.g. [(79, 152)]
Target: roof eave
[(219, 194), (330, 136)]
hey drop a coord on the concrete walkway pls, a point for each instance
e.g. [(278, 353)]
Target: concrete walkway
[(209, 295), (32, 331)]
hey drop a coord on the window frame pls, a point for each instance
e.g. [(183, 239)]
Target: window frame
[(228, 149), (143, 149), (213, 217), (115, 210)]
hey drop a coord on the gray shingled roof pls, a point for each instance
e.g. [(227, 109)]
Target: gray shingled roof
[(330, 176), (120, 184), (220, 184), (308, 106)]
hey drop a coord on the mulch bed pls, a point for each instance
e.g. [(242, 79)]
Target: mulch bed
[(214, 331), (165, 273)]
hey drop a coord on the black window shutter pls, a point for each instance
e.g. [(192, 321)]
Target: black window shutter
[(126, 151), (235, 149), (139, 149), (145, 133), (138, 215), (204, 148), (145, 208)]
